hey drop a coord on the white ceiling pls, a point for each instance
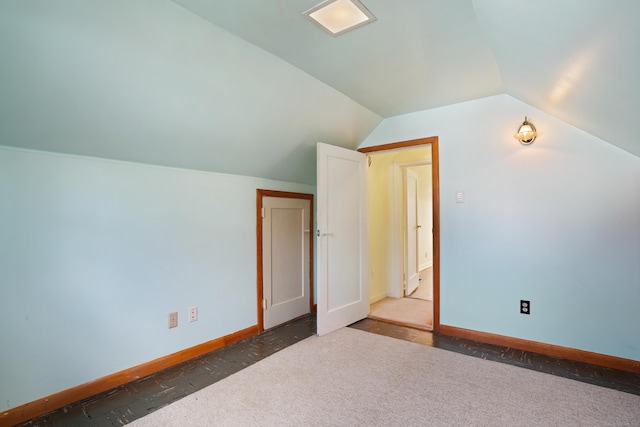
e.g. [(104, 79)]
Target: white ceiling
[(249, 86)]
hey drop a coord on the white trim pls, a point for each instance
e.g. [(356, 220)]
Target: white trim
[(375, 298), (425, 266)]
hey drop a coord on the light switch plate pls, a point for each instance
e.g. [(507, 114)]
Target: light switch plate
[(173, 319)]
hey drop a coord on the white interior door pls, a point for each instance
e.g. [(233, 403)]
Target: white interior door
[(412, 228), (343, 286), (285, 250)]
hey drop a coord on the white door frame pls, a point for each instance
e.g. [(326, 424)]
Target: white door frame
[(411, 232), (396, 289)]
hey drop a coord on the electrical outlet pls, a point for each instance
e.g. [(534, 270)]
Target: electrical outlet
[(173, 319), (525, 307), (193, 313)]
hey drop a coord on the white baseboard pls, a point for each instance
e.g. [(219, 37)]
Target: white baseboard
[(425, 266), (375, 298)]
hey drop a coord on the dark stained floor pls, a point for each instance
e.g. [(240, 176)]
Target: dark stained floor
[(605, 377), (136, 399), (139, 398)]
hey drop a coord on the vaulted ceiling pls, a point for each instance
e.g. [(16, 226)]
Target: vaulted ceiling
[(248, 86)]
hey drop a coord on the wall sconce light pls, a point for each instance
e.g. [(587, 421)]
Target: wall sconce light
[(526, 132)]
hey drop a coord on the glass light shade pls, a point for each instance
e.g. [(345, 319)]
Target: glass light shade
[(526, 133)]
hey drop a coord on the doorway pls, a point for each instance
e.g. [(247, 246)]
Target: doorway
[(389, 229), (284, 256)]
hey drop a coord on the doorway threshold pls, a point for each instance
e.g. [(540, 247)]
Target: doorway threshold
[(410, 312)]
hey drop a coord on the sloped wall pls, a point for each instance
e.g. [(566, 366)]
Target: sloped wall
[(148, 81), (556, 222)]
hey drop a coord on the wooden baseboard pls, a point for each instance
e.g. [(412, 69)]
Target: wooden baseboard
[(607, 361), (55, 401)]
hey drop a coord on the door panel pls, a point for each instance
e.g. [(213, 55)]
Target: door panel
[(343, 288), (412, 263), (286, 227)]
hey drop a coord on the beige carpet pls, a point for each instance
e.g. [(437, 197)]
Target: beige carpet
[(425, 288), (355, 378), (421, 293), (412, 312)]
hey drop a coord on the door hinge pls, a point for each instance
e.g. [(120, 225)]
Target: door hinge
[(262, 213), (264, 303)]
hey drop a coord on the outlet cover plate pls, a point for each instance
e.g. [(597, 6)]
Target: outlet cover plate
[(525, 306)]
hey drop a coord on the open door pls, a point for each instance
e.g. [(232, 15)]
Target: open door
[(343, 286), (411, 228)]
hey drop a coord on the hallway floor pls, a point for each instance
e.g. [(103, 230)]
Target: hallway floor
[(139, 398), (415, 310)]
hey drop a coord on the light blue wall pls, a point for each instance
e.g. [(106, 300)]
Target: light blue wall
[(556, 222), (96, 253)]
